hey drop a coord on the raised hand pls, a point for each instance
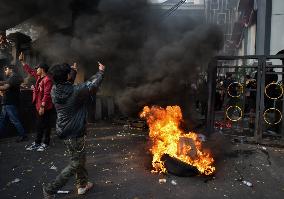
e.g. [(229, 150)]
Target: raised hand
[(75, 66), (22, 57), (101, 66)]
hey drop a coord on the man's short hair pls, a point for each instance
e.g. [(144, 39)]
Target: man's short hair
[(60, 73), (44, 66), (11, 66)]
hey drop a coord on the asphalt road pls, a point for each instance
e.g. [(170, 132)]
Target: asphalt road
[(119, 166)]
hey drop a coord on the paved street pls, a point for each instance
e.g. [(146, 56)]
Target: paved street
[(120, 168)]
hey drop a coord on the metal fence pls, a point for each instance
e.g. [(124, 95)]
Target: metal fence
[(248, 100)]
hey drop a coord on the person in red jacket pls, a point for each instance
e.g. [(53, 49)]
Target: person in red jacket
[(43, 104)]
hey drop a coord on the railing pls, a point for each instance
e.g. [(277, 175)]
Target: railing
[(265, 111)]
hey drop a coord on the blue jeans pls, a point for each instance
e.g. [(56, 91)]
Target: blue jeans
[(10, 112)]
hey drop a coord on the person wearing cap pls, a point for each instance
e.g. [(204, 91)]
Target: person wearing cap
[(43, 104), (10, 92)]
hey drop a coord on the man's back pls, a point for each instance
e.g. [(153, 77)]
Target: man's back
[(70, 102), (71, 112)]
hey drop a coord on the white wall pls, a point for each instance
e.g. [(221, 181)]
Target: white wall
[(277, 27), (251, 40), (277, 31)]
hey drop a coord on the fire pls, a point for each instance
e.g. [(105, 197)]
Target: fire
[(168, 138)]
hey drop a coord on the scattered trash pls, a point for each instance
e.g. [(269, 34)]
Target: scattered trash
[(126, 126), (249, 184), (162, 180), (63, 192), (173, 182), (106, 170), (15, 181), (264, 148), (53, 168), (108, 182), (138, 125)]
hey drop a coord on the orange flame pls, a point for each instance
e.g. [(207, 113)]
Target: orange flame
[(168, 138)]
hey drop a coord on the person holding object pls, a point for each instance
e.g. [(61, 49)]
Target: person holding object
[(71, 102)]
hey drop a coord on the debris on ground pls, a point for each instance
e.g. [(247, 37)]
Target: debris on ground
[(126, 126), (63, 192), (53, 168), (249, 184), (162, 180), (16, 181), (173, 182)]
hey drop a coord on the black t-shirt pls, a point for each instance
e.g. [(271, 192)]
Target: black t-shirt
[(12, 95)]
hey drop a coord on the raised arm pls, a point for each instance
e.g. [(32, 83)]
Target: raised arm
[(95, 81), (4, 87), (3, 82), (91, 86), (73, 73), (26, 67)]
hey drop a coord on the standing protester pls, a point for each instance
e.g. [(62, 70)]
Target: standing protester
[(71, 103), (43, 104), (10, 92)]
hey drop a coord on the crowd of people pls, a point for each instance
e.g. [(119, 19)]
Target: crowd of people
[(54, 90)]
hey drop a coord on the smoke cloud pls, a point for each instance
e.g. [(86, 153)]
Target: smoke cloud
[(149, 60)]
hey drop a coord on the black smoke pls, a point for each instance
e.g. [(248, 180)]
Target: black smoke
[(149, 60), (51, 13)]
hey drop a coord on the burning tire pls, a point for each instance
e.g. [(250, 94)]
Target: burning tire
[(174, 150), (179, 168)]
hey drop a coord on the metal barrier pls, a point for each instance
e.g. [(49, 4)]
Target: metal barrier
[(249, 107)]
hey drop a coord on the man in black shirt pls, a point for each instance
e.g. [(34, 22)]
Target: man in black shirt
[(10, 92)]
